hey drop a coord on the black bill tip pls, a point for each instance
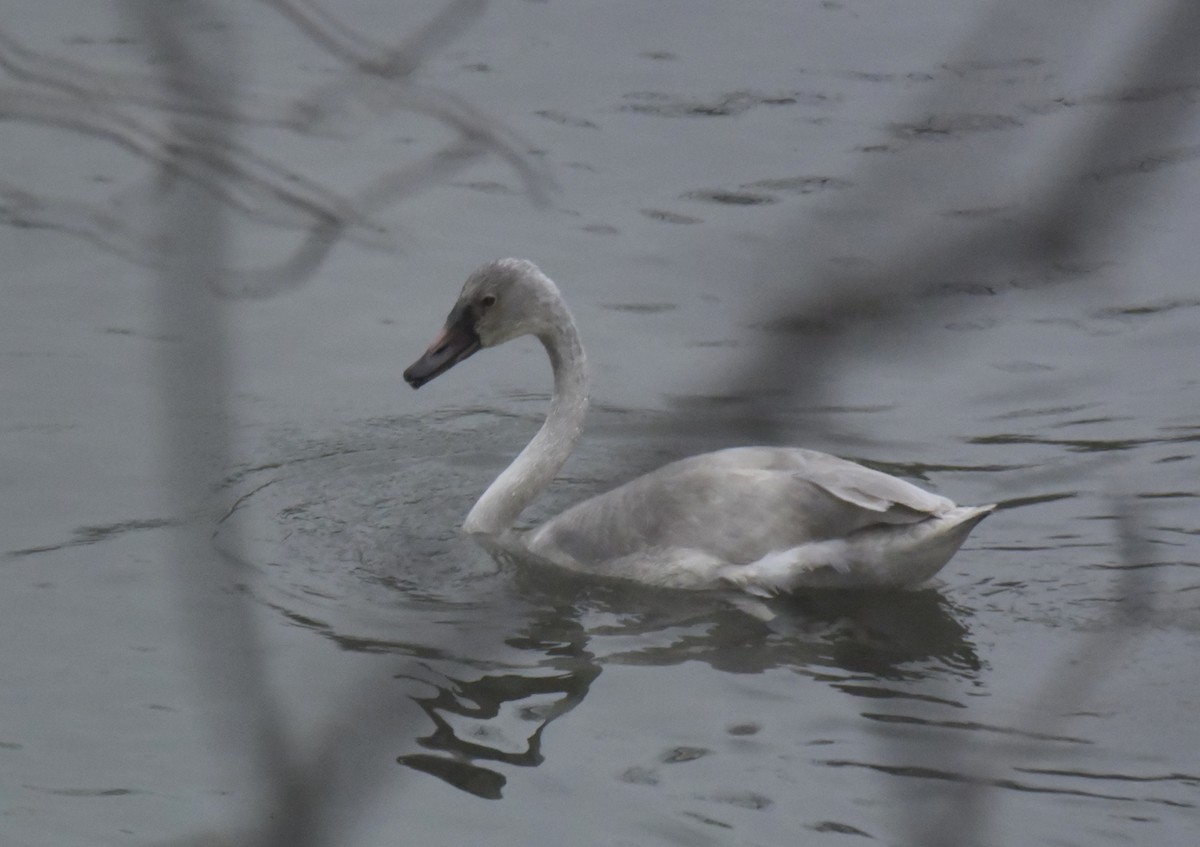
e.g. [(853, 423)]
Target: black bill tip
[(454, 344)]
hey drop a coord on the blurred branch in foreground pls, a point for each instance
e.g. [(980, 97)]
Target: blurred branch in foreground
[(1081, 201), (128, 111), (1085, 196), (306, 788), (970, 772)]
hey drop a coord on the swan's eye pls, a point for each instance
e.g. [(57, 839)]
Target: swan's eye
[(487, 301)]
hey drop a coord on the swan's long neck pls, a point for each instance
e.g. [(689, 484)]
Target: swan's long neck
[(539, 462)]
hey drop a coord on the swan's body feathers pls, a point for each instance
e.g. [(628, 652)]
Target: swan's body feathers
[(774, 518), (763, 519)]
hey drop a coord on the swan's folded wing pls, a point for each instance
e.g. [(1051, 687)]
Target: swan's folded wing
[(869, 489), (735, 506)]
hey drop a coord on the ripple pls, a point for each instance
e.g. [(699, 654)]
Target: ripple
[(802, 184), (84, 792), (971, 66), (973, 289), (875, 692), (350, 516), (728, 104), (973, 726), (1144, 164), (977, 325), (745, 800), (670, 217), (946, 127), (1143, 94), (1188, 780), (941, 774), (637, 775), (1083, 445), (683, 754), (708, 821), (1146, 309), (85, 535), (838, 828), (978, 212), (640, 308), (743, 729), (876, 76), (1047, 411), (1023, 367), (487, 187), (730, 198), (566, 120)]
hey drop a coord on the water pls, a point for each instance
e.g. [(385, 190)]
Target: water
[(469, 700)]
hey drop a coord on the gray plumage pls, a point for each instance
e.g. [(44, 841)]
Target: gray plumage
[(764, 519)]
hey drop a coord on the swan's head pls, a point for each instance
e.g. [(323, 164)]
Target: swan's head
[(501, 301)]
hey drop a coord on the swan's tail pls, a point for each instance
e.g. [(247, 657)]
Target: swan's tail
[(876, 557)]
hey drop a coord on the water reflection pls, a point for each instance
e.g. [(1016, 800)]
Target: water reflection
[(500, 717), (856, 642), (877, 633)]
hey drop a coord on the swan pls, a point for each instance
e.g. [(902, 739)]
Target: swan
[(766, 520)]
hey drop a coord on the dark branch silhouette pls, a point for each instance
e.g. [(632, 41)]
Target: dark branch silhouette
[(199, 147), (1075, 211)]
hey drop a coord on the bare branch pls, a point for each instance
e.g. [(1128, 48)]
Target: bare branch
[(89, 85), (390, 63), (71, 96), (255, 185), (193, 382), (1069, 214)]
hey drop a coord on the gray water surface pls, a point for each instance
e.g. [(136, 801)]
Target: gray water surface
[(690, 143)]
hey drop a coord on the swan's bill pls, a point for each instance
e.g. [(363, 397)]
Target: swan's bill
[(457, 341)]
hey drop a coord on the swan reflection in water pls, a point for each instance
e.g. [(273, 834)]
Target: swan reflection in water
[(766, 520), (867, 644)]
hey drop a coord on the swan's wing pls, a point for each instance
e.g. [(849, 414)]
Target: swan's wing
[(869, 489), (849, 481), (733, 506)]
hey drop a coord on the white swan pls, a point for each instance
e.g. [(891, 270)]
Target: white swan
[(764, 519)]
